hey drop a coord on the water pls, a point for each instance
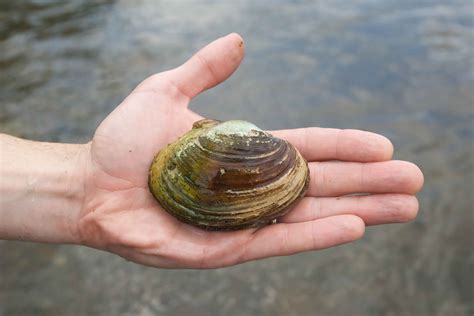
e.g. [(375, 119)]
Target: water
[(400, 68)]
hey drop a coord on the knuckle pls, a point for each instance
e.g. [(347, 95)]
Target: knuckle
[(207, 66), (162, 84)]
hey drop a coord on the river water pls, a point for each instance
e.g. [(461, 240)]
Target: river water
[(400, 68)]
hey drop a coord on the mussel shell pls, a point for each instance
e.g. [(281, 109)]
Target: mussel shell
[(227, 176)]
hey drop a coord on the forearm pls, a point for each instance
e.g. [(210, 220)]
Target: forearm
[(41, 190)]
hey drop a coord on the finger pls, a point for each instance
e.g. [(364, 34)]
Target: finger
[(316, 143), (373, 209), (207, 68), (341, 178), (287, 239)]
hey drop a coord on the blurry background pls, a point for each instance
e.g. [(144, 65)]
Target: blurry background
[(400, 68)]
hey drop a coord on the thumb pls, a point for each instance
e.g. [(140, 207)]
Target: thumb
[(208, 67)]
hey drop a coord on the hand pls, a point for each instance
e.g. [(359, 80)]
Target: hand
[(120, 215)]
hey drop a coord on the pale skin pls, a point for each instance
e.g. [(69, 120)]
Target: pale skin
[(96, 194)]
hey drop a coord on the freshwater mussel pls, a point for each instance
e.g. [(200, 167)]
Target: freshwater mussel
[(227, 176)]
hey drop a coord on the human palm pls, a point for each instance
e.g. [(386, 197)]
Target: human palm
[(121, 216)]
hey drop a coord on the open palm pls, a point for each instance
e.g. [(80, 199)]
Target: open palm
[(121, 216)]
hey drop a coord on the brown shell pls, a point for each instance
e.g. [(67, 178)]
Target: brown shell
[(227, 176)]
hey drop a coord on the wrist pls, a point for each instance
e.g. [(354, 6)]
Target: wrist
[(41, 189)]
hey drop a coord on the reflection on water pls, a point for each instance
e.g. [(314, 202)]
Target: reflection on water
[(400, 68)]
